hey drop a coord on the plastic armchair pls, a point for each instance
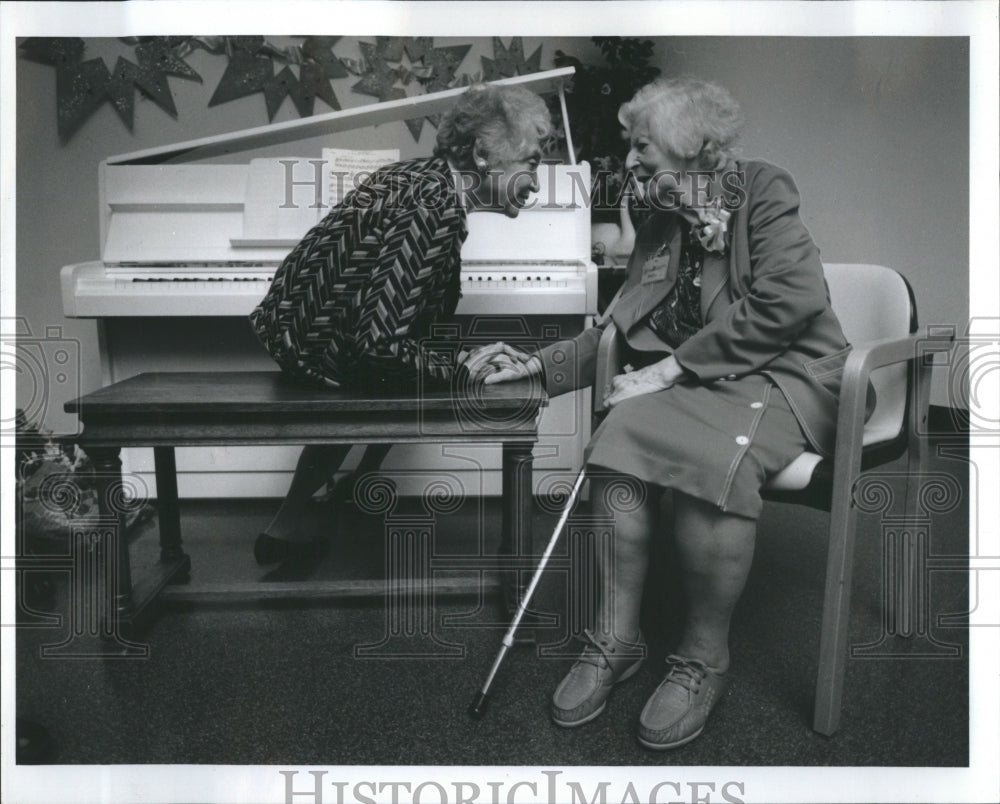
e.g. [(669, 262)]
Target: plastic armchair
[(878, 312)]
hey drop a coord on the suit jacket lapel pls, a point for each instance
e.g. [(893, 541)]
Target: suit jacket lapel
[(638, 300), (720, 271), (714, 276)]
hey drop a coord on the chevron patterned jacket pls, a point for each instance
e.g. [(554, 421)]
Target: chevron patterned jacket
[(353, 300)]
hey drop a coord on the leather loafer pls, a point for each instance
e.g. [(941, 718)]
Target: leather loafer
[(583, 693), (676, 712)]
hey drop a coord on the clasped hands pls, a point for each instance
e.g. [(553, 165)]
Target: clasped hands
[(500, 362)]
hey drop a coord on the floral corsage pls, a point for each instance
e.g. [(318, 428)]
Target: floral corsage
[(713, 221)]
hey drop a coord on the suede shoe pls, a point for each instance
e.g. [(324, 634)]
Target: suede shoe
[(676, 713), (583, 693)]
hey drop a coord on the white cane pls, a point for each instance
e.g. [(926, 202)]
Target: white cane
[(479, 703)]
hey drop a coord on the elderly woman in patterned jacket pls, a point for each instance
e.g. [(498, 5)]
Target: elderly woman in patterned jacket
[(736, 363), (350, 304)]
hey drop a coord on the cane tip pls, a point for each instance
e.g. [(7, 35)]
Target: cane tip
[(478, 706)]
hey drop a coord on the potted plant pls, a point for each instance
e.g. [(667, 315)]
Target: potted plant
[(593, 98)]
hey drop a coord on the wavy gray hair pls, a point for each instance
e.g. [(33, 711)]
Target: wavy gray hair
[(503, 118), (687, 117)]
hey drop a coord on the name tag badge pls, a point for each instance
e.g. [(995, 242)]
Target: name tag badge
[(655, 268)]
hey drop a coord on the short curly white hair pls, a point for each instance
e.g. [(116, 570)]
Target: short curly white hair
[(502, 118), (687, 117)]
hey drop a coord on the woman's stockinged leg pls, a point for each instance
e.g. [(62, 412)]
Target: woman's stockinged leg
[(613, 651), (715, 551), (622, 571), (316, 463)]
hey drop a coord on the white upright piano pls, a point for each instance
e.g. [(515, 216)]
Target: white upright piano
[(184, 260)]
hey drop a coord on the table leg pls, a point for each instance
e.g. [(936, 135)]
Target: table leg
[(515, 535), (111, 504), (167, 504)]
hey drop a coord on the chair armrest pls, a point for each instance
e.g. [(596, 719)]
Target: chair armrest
[(854, 386), (609, 363), (863, 360)]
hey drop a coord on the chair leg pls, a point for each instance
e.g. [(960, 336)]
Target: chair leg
[(916, 472), (836, 612)]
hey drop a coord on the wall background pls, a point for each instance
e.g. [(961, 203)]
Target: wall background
[(875, 131)]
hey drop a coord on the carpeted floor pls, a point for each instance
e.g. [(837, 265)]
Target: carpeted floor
[(292, 682)]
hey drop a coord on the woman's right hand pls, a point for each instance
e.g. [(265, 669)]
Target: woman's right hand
[(500, 362)]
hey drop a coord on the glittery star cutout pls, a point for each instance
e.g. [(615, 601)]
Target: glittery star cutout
[(80, 91), (53, 51), (438, 71), (159, 55), (250, 44), (410, 75), (319, 66), (315, 84), (318, 49), (390, 48), (245, 74), (433, 68), (283, 85), (443, 63), (508, 62), (153, 84), (417, 47), (380, 78), (121, 90)]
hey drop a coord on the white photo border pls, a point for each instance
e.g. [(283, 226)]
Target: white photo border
[(976, 20)]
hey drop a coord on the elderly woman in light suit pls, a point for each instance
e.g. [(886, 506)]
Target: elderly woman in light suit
[(737, 361)]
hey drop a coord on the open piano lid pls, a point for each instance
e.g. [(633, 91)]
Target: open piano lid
[(345, 119), (166, 208)]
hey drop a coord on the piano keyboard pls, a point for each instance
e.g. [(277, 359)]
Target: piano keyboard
[(94, 290)]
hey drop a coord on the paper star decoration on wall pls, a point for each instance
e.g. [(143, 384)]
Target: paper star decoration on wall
[(82, 87), (417, 60), (156, 61), (319, 67), (509, 61), (53, 51), (442, 62), (251, 70), (248, 70), (379, 79)]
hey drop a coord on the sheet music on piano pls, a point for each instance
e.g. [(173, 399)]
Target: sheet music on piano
[(344, 169)]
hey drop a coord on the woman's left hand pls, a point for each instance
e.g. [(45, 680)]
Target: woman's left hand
[(646, 380)]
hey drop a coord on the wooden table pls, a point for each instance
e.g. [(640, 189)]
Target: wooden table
[(165, 410)]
